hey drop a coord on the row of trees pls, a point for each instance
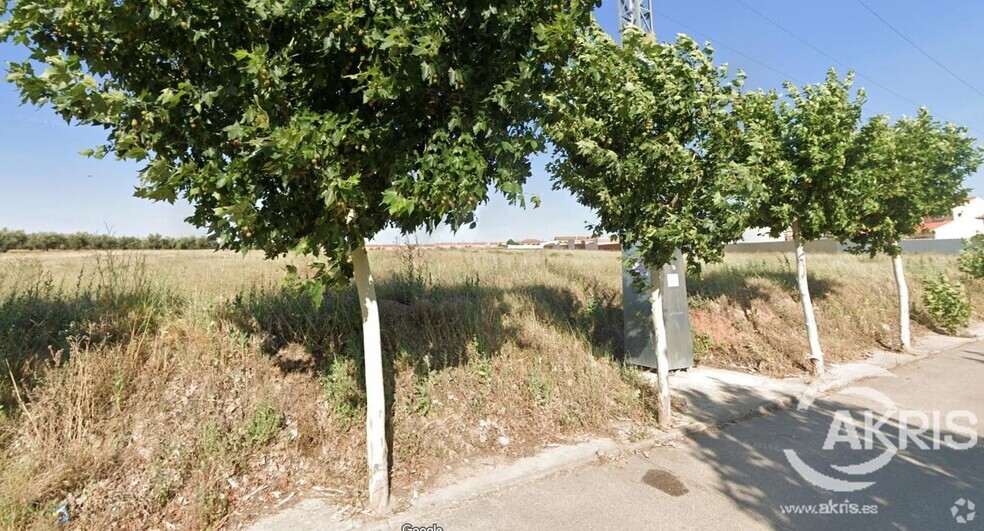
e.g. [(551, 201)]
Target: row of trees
[(308, 127), (674, 155), (11, 240)]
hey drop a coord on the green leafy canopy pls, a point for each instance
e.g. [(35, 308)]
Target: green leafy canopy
[(914, 168), (302, 125), (800, 148), (645, 135)]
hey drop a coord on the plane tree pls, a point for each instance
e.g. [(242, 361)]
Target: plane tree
[(916, 168), (295, 126), (801, 145), (644, 135)]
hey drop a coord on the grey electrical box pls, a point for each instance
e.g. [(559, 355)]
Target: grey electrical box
[(640, 342)]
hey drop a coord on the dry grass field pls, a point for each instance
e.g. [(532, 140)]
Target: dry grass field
[(193, 389)]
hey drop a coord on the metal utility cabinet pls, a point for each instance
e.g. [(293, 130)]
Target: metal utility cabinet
[(640, 342)]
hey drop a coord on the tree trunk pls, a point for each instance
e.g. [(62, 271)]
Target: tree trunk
[(904, 335), (375, 393), (816, 355), (663, 410)]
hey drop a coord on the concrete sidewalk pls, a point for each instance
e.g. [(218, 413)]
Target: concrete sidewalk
[(717, 397), (677, 480)]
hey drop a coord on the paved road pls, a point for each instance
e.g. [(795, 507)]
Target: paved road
[(739, 477)]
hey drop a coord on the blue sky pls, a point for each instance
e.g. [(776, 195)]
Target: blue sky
[(46, 185)]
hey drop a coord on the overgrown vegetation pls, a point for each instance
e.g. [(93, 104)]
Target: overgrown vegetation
[(971, 258), (946, 303), (111, 299), (193, 388), (745, 312)]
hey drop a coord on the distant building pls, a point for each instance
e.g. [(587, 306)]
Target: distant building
[(569, 242), (757, 235), (529, 244), (962, 222), (611, 244), (586, 242)]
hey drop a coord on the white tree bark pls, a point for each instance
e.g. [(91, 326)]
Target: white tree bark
[(816, 354), (663, 410), (904, 335), (375, 393)]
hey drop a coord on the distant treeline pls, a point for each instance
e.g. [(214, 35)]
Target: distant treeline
[(11, 240)]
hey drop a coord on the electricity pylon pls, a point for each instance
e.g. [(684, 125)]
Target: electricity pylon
[(636, 13)]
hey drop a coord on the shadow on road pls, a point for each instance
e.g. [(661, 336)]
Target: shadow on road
[(914, 490)]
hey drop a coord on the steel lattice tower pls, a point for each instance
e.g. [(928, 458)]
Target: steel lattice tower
[(636, 13)]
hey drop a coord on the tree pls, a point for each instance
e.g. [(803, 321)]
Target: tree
[(800, 148), (644, 135), (915, 168), (307, 127), (154, 241), (12, 239)]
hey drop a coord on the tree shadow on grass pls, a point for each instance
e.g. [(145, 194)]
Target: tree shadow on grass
[(598, 319), (734, 285), (596, 314), (423, 330), (40, 320), (438, 328)]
